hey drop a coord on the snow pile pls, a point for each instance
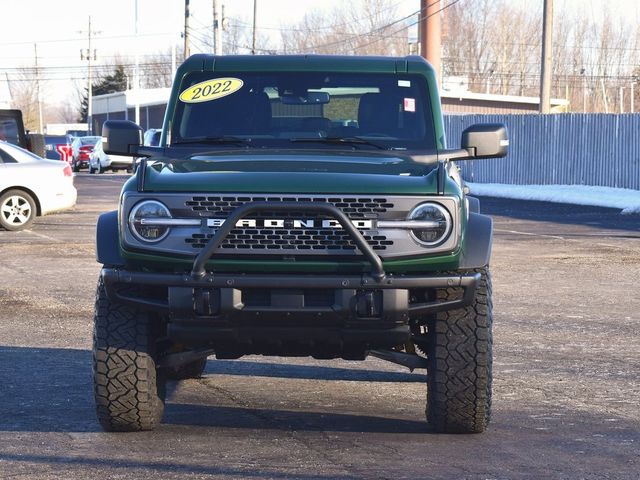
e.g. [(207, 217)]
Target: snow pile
[(623, 198)]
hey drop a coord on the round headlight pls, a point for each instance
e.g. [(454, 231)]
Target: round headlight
[(440, 224), (141, 221)]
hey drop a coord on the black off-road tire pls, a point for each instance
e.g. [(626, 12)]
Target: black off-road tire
[(459, 352), (129, 390), (189, 370)]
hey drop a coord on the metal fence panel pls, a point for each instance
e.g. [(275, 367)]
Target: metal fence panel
[(560, 149)]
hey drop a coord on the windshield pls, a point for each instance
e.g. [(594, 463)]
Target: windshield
[(287, 109)]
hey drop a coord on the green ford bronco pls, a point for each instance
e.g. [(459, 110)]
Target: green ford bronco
[(296, 206)]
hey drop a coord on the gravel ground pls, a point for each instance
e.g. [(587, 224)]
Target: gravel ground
[(566, 376)]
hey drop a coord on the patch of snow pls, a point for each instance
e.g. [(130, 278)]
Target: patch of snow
[(626, 199)]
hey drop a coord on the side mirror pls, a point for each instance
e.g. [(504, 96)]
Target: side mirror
[(121, 137), (486, 140)]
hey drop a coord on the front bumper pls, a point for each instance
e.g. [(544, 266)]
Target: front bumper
[(313, 314)]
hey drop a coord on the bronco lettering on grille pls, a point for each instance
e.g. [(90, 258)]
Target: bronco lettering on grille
[(288, 223)]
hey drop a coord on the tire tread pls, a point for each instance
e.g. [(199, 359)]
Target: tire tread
[(460, 363), (125, 380)]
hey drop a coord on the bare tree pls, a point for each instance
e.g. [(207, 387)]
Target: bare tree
[(496, 45), (65, 112), (24, 96), (156, 69), (360, 27), (492, 43)]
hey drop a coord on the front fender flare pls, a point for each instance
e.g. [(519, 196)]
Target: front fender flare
[(107, 240), (477, 242)]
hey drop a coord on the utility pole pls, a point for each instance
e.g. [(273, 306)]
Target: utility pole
[(255, 14), (6, 76), (430, 35), (217, 28), (547, 50), (90, 80), (186, 30), (136, 75), (621, 99), (90, 53), (173, 61), (584, 90), (40, 122), (604, 96)]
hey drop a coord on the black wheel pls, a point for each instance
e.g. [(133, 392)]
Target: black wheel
[(99, 168), (17, 210), (76, 168), (129, 390), (459, 352), (188, 370)]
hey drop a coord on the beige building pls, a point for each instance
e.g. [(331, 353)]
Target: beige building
[(465, 102)]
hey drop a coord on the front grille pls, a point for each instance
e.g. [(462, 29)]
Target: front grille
[(289, 239), (353, 207), (299, 234)]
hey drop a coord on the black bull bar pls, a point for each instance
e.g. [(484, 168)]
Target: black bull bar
[(375, 279)]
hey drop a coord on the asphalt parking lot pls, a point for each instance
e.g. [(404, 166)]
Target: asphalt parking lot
[(566, 375)]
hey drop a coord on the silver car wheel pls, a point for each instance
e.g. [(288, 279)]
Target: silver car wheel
[(16, 210)]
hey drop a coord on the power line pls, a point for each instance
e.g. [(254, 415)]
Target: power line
[(415, 23), (328, 27), (80, 39), (371, 32), (422, 16)]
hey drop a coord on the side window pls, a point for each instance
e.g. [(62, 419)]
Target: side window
[(6, 158)]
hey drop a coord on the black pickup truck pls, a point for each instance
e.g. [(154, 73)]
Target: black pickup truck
[(12, 131)]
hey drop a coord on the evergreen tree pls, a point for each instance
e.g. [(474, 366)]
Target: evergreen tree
[(114, 82)]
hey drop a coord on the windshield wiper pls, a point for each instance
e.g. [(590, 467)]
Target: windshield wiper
[(211, 139), (339, 140)]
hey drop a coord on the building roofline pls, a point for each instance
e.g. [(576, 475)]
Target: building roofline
[(464, 95)]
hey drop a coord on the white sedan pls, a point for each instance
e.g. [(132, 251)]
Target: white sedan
[(100, 161), (32, 186)]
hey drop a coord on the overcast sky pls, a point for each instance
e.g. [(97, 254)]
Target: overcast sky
[(56, 26)]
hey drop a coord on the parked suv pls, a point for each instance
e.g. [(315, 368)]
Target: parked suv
[(81, 148), (296, 206), (99, 161)]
